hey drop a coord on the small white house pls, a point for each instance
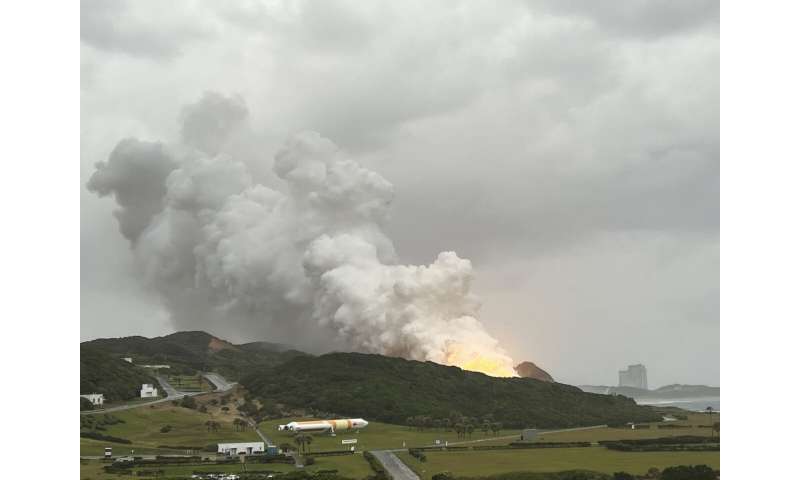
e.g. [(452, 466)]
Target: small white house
[(148, 391), (128, 359), (248, 448), (97, 399)]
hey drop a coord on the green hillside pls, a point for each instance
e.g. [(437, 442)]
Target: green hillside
[(187, 352), (392, 389), (107, 374)]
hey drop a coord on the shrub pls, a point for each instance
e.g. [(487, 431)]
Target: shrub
[(443, 476), (308, 461), (686, 472), (188, 402), (165, 428), (622, 476), (418, 454), (211, 447), (86, 404)]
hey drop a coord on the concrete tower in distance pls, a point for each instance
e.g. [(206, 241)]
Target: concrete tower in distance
[(634, 376)]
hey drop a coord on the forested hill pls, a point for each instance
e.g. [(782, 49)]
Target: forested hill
[(109, 375), (196, 351), (392, 389)]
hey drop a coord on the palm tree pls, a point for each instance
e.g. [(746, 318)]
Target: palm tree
[(309, 440), (710, 411), (470, 429), (300, 441), (496, 427), (285, 447)]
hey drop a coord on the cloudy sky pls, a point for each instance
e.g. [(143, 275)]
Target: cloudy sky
[(569, 149)]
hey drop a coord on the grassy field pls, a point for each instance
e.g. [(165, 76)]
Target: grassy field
[(142, 426), (557, 459), (378, 436), (552, 460), (189, 383), (696, 421), (351, 466)]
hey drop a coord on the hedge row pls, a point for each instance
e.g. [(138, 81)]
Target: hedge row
[(678, 440), (698, 447), (549, 444), (105, 438), (331, 453), (377, 467), (269, 459)]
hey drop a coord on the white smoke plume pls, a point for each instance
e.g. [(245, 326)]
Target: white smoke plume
[(226, 253)]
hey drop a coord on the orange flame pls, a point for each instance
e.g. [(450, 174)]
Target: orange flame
[(494, 364)]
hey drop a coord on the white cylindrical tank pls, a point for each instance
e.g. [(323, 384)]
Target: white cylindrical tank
[(325, 425)]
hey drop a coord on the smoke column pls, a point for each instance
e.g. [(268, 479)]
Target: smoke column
[(225, 252)]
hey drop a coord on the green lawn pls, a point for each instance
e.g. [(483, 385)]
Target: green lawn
[(697, 422), (142, 426), (350, 466), (599, 459), (378, 436)]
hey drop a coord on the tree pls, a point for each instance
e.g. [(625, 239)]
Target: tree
[(188, 402), (86, 404), (285, 447), (623, 476), (470, 429), (710, 411), (300, 441), (496, 427), (212, 426), (485, 427), (715, 428)]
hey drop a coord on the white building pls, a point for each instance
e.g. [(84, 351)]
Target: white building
[(148, 391), (128, 359), (634, 376), (97, 399), (248, 448), (156, 367)]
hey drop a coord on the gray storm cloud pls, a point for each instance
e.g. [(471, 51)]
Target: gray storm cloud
[(304, 261)]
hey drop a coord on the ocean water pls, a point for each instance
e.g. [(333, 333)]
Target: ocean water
[(692, 404)]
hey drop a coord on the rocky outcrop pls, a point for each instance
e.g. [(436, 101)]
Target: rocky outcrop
[(530, 370)]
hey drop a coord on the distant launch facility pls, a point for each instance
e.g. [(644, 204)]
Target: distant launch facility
[(325, 426)]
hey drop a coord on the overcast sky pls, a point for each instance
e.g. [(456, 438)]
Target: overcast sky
[(570, 149)]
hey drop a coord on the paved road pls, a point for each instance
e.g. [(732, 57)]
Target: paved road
[(172, 394), (396, 468), (219, 382), (259, 432)]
